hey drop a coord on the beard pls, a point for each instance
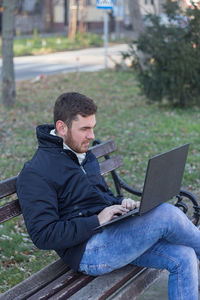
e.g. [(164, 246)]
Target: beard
[(76, 146)]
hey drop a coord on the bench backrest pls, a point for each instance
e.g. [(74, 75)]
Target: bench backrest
[(8, 186)]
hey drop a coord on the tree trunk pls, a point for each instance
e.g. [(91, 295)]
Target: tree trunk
[(136, 17), (51, 14), (72, 19), (8, 77), (138, 27), (82, 24)]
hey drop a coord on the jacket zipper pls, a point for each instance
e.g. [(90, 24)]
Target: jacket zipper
[(79, 164), (82, 169)]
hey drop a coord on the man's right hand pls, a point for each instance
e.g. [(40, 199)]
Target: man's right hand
[(111, 212)]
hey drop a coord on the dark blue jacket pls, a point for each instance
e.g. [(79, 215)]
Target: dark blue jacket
[(60, 201)]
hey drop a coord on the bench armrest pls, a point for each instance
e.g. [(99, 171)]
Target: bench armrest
[(184, 204)]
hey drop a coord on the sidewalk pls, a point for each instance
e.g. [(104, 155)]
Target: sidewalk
[(91, 59), (158, 290)]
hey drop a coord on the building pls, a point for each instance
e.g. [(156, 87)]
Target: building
[(55, 15)]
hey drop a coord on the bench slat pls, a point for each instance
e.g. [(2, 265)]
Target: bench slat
[(35, 282), (145, 280), (104, 148), (56, 286), (110, 164), (9, 211), (8, 187), (104, 286), (72, 288)]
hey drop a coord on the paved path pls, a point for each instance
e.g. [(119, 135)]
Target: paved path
[(158, 291), (91, 59)]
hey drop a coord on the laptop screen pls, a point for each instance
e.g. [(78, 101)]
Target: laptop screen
[(163, 177)]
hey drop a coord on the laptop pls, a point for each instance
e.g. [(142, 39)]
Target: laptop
[(162, 181)]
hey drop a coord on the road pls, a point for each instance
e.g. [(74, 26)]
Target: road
[(91, 59)]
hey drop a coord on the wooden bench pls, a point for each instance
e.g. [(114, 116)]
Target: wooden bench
[(57, 280)]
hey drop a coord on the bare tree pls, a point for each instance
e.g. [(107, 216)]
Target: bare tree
[(73, 11), (51, 14), (135, 16), (138, 26), (77, 17), (8, 76), (82, 24)]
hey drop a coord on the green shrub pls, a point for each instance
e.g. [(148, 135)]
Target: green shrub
[(171, 50), (89, 39)]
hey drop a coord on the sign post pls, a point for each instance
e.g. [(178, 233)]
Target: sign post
[(105, 4)]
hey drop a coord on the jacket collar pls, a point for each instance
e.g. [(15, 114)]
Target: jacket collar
[(45, 139), (53, 142), (80, 156)]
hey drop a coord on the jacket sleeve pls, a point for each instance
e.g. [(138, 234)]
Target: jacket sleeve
[(38, 201)]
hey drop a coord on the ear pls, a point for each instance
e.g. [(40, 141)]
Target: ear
[(61, 128)]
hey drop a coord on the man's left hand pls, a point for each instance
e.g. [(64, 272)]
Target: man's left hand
[(130, 204)]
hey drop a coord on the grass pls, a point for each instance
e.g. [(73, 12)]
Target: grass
[(139, 128), (38, 44)]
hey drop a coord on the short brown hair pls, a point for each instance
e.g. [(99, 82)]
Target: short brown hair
[(69, 105)]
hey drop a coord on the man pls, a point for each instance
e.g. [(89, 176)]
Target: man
[(64, 198)]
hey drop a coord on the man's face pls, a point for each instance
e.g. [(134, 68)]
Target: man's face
[(80, 134)]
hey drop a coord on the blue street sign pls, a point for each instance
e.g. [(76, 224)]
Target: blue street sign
[(104, 4)]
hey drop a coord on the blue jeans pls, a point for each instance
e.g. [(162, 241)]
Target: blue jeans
[(163, 238)]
